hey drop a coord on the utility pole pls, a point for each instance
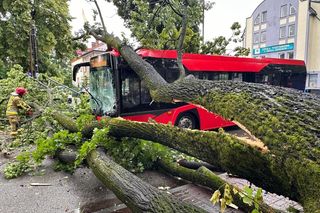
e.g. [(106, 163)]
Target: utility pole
[(34, 68)]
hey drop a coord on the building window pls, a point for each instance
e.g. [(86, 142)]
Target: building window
[(290, 55), (283, 11), (282, 55), (263, 37), (264, 17), (283, 32), (257, 20), (291, 30), (292, 10), (256, 38), (312, 80)]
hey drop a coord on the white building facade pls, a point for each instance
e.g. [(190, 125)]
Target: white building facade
[(287, 29)]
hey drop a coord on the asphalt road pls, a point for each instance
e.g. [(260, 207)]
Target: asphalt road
[(61, 192), (47, 191)]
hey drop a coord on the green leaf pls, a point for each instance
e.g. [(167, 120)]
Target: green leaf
[(223, 205), (248, 191), (235, 190), (259, 196), (247, 200), (215, 197), (227, 194), (255, 211), (247, 195)]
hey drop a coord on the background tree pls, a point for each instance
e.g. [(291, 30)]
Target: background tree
[(219, 45), (53, 33), (157, 24)]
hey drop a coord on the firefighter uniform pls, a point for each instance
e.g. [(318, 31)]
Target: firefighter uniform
[(15, 102)]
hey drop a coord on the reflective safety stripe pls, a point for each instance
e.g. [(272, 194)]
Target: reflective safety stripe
[(14, 103), (8, 113)]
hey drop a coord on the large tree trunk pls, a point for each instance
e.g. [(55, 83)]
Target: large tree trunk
[(272, 171)]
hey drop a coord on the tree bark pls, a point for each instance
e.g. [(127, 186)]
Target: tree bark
[(277, 172), (131, 190)]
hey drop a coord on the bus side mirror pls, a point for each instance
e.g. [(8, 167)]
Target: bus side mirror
[(77, 67)]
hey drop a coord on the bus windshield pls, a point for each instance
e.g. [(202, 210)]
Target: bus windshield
[(102, 88)]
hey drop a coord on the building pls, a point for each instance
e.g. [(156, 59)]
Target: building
[(287, 29), (97, 48)]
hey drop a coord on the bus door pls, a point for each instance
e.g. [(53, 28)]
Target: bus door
[(134, 96)]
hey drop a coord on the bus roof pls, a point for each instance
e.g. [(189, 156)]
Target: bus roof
[(201, 62)]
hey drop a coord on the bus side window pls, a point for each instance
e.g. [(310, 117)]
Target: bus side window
[(205, 76), (236, 77), (172, 75), (265, 79), (196, 75), (262, 78), (145, 95), (223, 76), (215, 76)]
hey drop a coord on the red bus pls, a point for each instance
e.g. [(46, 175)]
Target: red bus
[(116, 90)]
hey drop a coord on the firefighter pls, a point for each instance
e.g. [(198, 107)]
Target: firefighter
[(15, 102)]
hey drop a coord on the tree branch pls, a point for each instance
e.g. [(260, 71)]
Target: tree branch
[(101, 18), (181, 39)]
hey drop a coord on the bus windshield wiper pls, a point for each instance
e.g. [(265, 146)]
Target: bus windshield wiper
[(96, 100)]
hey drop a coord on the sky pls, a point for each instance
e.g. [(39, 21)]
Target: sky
[(218, 20)]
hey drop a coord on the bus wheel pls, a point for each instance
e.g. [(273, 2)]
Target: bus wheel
[(186, 120)]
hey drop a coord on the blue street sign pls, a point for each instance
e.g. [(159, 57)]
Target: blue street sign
[(275, 48)]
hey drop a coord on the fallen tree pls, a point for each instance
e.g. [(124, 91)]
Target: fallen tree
[(140, 196), (285, 120)]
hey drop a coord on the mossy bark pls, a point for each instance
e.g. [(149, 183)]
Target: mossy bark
[(270, 170), (136, 194), (65, 121)]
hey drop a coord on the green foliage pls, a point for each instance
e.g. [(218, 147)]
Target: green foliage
[(247, 196), (19, 167), (60, 166), (83, 120), (156, 25), (241, 51), (250, 198), (3, 70), (50, 146), (26, 161), (220, 44), (53, 33), (37, 130), (42, 97)]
